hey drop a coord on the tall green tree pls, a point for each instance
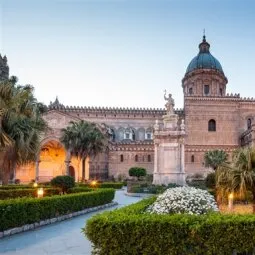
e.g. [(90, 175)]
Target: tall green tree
[(21, 126), (239, 175), (215, 158), (83, 139)]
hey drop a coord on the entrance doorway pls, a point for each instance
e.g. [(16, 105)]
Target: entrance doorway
[(72, 172)]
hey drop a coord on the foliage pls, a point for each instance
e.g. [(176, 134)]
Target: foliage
[(200, 184), (114, 185), (21, 125), (83, 139), (137, 172), (21, 211), (184, 200), (151, 189), (210, 181), (16, 193), (239, 175), (169, 234), (12, 186), (215, 158), (64, 182)]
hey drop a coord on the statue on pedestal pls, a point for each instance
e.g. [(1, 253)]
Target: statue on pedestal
[(169, 104)]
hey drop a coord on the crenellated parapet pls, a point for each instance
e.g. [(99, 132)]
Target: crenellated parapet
[(111, 110), (132, 146)]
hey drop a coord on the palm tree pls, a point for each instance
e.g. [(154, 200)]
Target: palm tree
[(21, 125), (239, 175), (83, 139), (215, 158)]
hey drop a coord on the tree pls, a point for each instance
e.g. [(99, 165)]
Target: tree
[(83, 139), (64, 182), (239, 175), (137, 172), (215, 158), (21, 126)]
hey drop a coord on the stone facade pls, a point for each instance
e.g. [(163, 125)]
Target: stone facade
[(213, 120)]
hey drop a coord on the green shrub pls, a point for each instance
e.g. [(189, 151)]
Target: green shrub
[(210, 180), (79, 190), (200, 184), (137, 172), (21, 211), (13, 186), (169, 234), (114, 185), (64, 182), (16, 193)]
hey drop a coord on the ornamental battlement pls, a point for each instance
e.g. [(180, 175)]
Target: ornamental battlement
[(114, 110)]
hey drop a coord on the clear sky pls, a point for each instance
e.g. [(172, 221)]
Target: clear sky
[(124, 52)]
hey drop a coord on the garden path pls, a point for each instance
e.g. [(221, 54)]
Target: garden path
[(63, 238)]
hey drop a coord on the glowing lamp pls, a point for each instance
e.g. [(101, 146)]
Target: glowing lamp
[(40, 192), (230, 201), (35, 184), (93, 183)]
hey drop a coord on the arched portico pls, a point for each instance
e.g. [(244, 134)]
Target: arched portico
[(51, 160)]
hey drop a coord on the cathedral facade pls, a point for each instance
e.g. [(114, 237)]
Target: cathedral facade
[(213, 120)]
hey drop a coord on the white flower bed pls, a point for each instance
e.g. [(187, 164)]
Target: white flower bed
[(184, 200)]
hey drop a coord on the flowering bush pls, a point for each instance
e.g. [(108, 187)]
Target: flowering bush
[(184, 200)]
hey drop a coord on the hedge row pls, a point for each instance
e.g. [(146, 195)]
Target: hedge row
[(114, 185), (16, 193), (14, 186), (18, 212), (131, 231)]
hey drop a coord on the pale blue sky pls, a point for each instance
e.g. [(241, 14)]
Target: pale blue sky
[(123, 52)]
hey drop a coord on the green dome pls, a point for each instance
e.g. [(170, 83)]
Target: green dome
[(204, 59)]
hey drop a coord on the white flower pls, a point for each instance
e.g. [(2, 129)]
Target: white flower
[(184, 200)]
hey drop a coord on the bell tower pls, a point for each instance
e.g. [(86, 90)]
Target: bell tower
[(4, 68), (204, 75)]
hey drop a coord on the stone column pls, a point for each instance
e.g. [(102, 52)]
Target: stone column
[(182, 157), (37, 163), (67, 162), (156, 158)]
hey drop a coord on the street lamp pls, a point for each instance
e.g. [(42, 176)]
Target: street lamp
[(40, 192), (230, 201)]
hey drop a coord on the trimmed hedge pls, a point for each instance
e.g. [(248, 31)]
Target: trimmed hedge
[(32, 192), (21, 211), (177, 234), (8, 187), (113, 185)]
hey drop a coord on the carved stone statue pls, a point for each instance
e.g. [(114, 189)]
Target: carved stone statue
[(169, 104)]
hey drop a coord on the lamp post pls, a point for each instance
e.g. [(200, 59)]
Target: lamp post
[(93, 184), (40, 192), (230, 201)]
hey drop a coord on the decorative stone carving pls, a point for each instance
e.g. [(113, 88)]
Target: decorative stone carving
[(169, 104), (169, 151)]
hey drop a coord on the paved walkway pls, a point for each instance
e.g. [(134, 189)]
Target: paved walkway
[(63, 238)]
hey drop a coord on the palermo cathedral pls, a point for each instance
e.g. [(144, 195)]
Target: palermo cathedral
[(213, 120)]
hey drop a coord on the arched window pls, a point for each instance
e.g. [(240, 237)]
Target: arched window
[(192, 158), (190, 91), (121, 158), (221, 92), (249, 123), (149, 158), (133, 135), (136, 158), (212, 125)]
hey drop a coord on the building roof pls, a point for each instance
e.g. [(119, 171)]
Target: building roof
[(204, 59)]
